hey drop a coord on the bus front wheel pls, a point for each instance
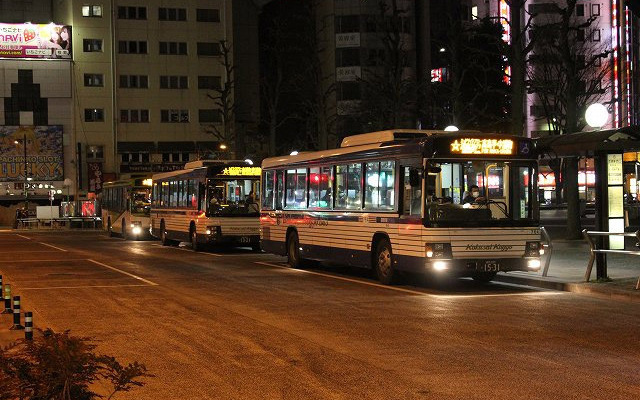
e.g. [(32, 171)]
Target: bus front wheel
[(484, 277), (383, 262), (293, 251)]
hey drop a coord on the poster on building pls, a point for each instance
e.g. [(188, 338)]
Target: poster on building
[(44, 153), (41, 41), (95, 177)]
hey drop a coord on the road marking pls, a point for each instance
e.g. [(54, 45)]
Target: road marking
[(123, 272), (22, 236), (341, 278), (24, 261), (185, 249), (54, 247), (410, 291), (82, 287)]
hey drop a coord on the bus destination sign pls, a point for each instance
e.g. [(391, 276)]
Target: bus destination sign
[(482, 146), (242, 171)]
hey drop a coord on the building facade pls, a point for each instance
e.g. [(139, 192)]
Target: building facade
[(141, 92)]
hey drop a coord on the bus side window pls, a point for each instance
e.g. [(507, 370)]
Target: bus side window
[(279, 189), (201, 197)]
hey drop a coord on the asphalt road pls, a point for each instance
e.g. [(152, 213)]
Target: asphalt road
[(239, 325)]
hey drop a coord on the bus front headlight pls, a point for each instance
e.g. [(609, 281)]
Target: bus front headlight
[(533, 264)]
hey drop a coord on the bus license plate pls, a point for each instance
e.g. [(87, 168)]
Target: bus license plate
[(489, 266), (245, 239)]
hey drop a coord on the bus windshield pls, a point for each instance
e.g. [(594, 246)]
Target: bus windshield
[(480, 193), (141, 200), (233, 197)]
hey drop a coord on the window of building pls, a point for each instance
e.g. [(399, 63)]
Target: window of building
[(134, 81), (595, 10), (579, 10), (132, 158), (92, 45), (209, 116), (174, 48), (174, 82), (95, 152), (349, 91), (209, 82), (175, 157), (94, 115), (349, 186), (296, 188), (321, 187), (542, 8), (595, 35), (207, 15), (380, 186), (134, 116), (209, 49), (94, 80), (92, 11), (132, 47), (348, 57), (174, 116), (474, 12), (347, 23), (172, 14), (132, 13)]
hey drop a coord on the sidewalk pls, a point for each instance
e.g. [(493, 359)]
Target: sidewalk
[(568, 266)]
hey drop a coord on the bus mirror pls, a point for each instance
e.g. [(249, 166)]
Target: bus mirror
[(414, 177)]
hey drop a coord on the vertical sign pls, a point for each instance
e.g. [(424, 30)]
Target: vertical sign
[(95, 177), (615, 206)]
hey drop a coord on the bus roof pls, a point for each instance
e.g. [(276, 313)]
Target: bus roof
[(383, 142), (201, 167)]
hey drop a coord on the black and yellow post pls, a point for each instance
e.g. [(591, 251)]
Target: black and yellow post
[(28, 325), (16, 314), (7, 299)]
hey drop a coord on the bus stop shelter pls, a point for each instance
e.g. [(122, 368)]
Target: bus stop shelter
[(607, 148)]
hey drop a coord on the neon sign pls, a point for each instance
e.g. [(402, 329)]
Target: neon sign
[(482, 146), (242, 171)]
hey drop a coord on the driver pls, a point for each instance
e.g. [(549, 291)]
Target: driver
[(473, 196)]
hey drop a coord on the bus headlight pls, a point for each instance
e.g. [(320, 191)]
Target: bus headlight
[(436, 250), (440, 266), (136, 230), (533, 264)]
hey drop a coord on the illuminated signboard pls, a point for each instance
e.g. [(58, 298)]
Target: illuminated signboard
[(44, 153), (482, 146), (242, 171), (35, 41)]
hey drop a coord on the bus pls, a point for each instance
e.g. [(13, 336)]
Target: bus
[(125, 207), (400, 201), (209, 202)]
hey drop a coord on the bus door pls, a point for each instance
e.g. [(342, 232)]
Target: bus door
[(413, 198)]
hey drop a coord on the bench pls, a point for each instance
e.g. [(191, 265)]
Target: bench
[(593, 249)]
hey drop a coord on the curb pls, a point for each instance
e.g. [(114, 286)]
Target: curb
[(590, 289)]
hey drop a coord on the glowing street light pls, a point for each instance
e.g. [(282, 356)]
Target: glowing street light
[(596, 115), (294, 153), (223, 146), (451, 128), (248, 161)]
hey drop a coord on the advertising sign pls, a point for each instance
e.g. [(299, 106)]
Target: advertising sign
[(95, 177), (35, 41), (44, 153)]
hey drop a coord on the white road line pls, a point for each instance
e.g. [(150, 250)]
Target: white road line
[(83, 287), (123, 272), (22, 236), (24, 261), (415, 292), (183, 249), (54, 247)]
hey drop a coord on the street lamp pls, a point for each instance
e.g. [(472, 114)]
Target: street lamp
[(26, 175), (596, 115), (451, 128)]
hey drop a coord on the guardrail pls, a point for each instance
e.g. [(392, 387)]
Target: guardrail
[(594, 250), (548, 250), (30, 223)]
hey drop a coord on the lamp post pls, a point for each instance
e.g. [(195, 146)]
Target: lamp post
[(26, 175)]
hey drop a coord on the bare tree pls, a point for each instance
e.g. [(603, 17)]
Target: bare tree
[(223, 97), (567, 73)]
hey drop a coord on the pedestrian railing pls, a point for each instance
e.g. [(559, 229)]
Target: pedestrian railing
[(548, 250), (593, 249)]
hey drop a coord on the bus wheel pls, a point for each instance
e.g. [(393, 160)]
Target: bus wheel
[(163, 235), (484, 277), (195, 246), (124, 229), (383, 262), (293, 251)]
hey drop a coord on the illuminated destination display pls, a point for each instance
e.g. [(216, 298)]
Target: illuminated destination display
[(242, 171), (482, 146)]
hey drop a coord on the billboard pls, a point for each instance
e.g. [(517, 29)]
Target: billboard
[(35, 41), (44, 153)]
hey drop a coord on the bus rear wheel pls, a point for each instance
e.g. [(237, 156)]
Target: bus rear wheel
[(293, 251), (484, 277), (383, 262)]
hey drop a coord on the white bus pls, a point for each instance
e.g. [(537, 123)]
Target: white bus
[(125, 207), (400, 200), (209, 202)]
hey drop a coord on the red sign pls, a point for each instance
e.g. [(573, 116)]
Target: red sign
[(95, 177)]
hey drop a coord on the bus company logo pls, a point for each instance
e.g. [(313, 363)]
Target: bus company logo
[(317, 222), (489, 247)]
